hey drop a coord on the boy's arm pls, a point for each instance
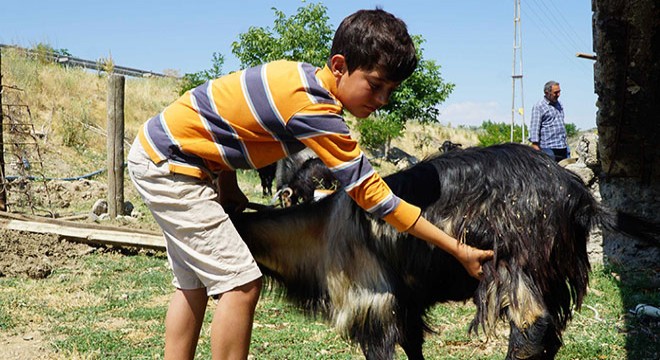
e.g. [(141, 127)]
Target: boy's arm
[(231, 196), (471, 258)]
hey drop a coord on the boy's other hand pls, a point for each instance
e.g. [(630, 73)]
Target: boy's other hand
[(472, 258)]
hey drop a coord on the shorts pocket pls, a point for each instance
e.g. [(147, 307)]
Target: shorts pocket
[(138, 170)]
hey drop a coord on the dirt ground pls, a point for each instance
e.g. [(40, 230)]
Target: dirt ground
[(32, 255)]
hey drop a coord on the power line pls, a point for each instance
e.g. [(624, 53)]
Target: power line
[(575, 34), (561, 46), (570, 38)]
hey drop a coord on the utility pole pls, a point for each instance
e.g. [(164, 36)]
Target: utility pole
[(517, 72)]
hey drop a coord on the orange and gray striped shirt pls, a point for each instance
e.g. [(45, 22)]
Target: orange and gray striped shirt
[(254, 117)]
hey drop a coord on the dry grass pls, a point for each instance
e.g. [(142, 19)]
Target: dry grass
[(68, 107)]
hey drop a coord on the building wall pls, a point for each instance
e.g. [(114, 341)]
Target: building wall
[(627, 82)]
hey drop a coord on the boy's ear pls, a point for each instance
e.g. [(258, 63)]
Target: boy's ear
[(338, 65)]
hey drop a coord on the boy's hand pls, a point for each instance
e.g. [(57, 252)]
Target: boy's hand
[(233, 201), (231, 196), (471, 258)]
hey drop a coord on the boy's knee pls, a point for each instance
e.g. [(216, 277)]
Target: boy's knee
[(252, 290), (255, 285)]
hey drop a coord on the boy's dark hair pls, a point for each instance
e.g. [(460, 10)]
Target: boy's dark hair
[(376, 40)]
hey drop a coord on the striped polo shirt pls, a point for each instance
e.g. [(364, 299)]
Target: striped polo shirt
[(254, 117)]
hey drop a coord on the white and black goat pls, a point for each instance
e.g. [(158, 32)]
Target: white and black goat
[(375, 285)]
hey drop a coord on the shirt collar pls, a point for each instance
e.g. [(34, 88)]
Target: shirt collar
[(556, 104), (328, 80)]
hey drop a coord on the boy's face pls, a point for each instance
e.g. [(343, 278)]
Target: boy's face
[(361, 92)]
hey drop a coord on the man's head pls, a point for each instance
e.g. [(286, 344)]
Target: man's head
[(552, 91), (375, 40)]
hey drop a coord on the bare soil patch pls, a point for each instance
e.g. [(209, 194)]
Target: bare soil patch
[(33, 255)]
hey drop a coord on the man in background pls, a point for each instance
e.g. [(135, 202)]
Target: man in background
[(547, 131)]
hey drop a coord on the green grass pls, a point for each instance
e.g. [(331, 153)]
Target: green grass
[(112, 306)]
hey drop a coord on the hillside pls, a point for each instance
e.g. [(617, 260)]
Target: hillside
[(67, 107)]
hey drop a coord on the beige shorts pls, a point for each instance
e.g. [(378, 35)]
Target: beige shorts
[(203, 247)]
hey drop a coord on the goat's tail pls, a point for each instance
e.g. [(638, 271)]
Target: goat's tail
[(634, 226)]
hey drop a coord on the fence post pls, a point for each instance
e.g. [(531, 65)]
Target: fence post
[(115, 145), (3, 181)]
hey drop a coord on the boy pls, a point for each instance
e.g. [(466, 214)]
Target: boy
[(249, 119)]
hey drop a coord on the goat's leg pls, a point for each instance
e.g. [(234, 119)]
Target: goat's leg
[(412, 335), (379, 345)]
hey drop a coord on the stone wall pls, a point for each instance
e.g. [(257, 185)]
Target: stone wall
[(617, 249), (627, 82)]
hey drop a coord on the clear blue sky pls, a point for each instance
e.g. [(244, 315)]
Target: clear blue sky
[(471, 40)]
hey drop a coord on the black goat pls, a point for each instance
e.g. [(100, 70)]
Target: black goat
[(267, 176), (287, 167), (448, 146), (311, 177), (375, 285)]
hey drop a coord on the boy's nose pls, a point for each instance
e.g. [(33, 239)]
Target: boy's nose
[(382, 98)]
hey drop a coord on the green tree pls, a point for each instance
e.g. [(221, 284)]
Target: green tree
[(497, 133), (377, 132), (418, 96), (304, 36), (571, 130), (190, 81)]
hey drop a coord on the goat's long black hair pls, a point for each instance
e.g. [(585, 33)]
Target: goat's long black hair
[(376, 283)]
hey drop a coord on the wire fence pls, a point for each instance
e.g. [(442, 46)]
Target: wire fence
[(23, 181), (99, 65)]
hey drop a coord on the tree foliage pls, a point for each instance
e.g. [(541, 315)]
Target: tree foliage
[(190, 81), (497, 133), (571, 130), (418, 97), (304, 36), (377, 132)]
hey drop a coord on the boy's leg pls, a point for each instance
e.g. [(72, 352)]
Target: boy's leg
[(231, 328), (183, 322), (206, 254)]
